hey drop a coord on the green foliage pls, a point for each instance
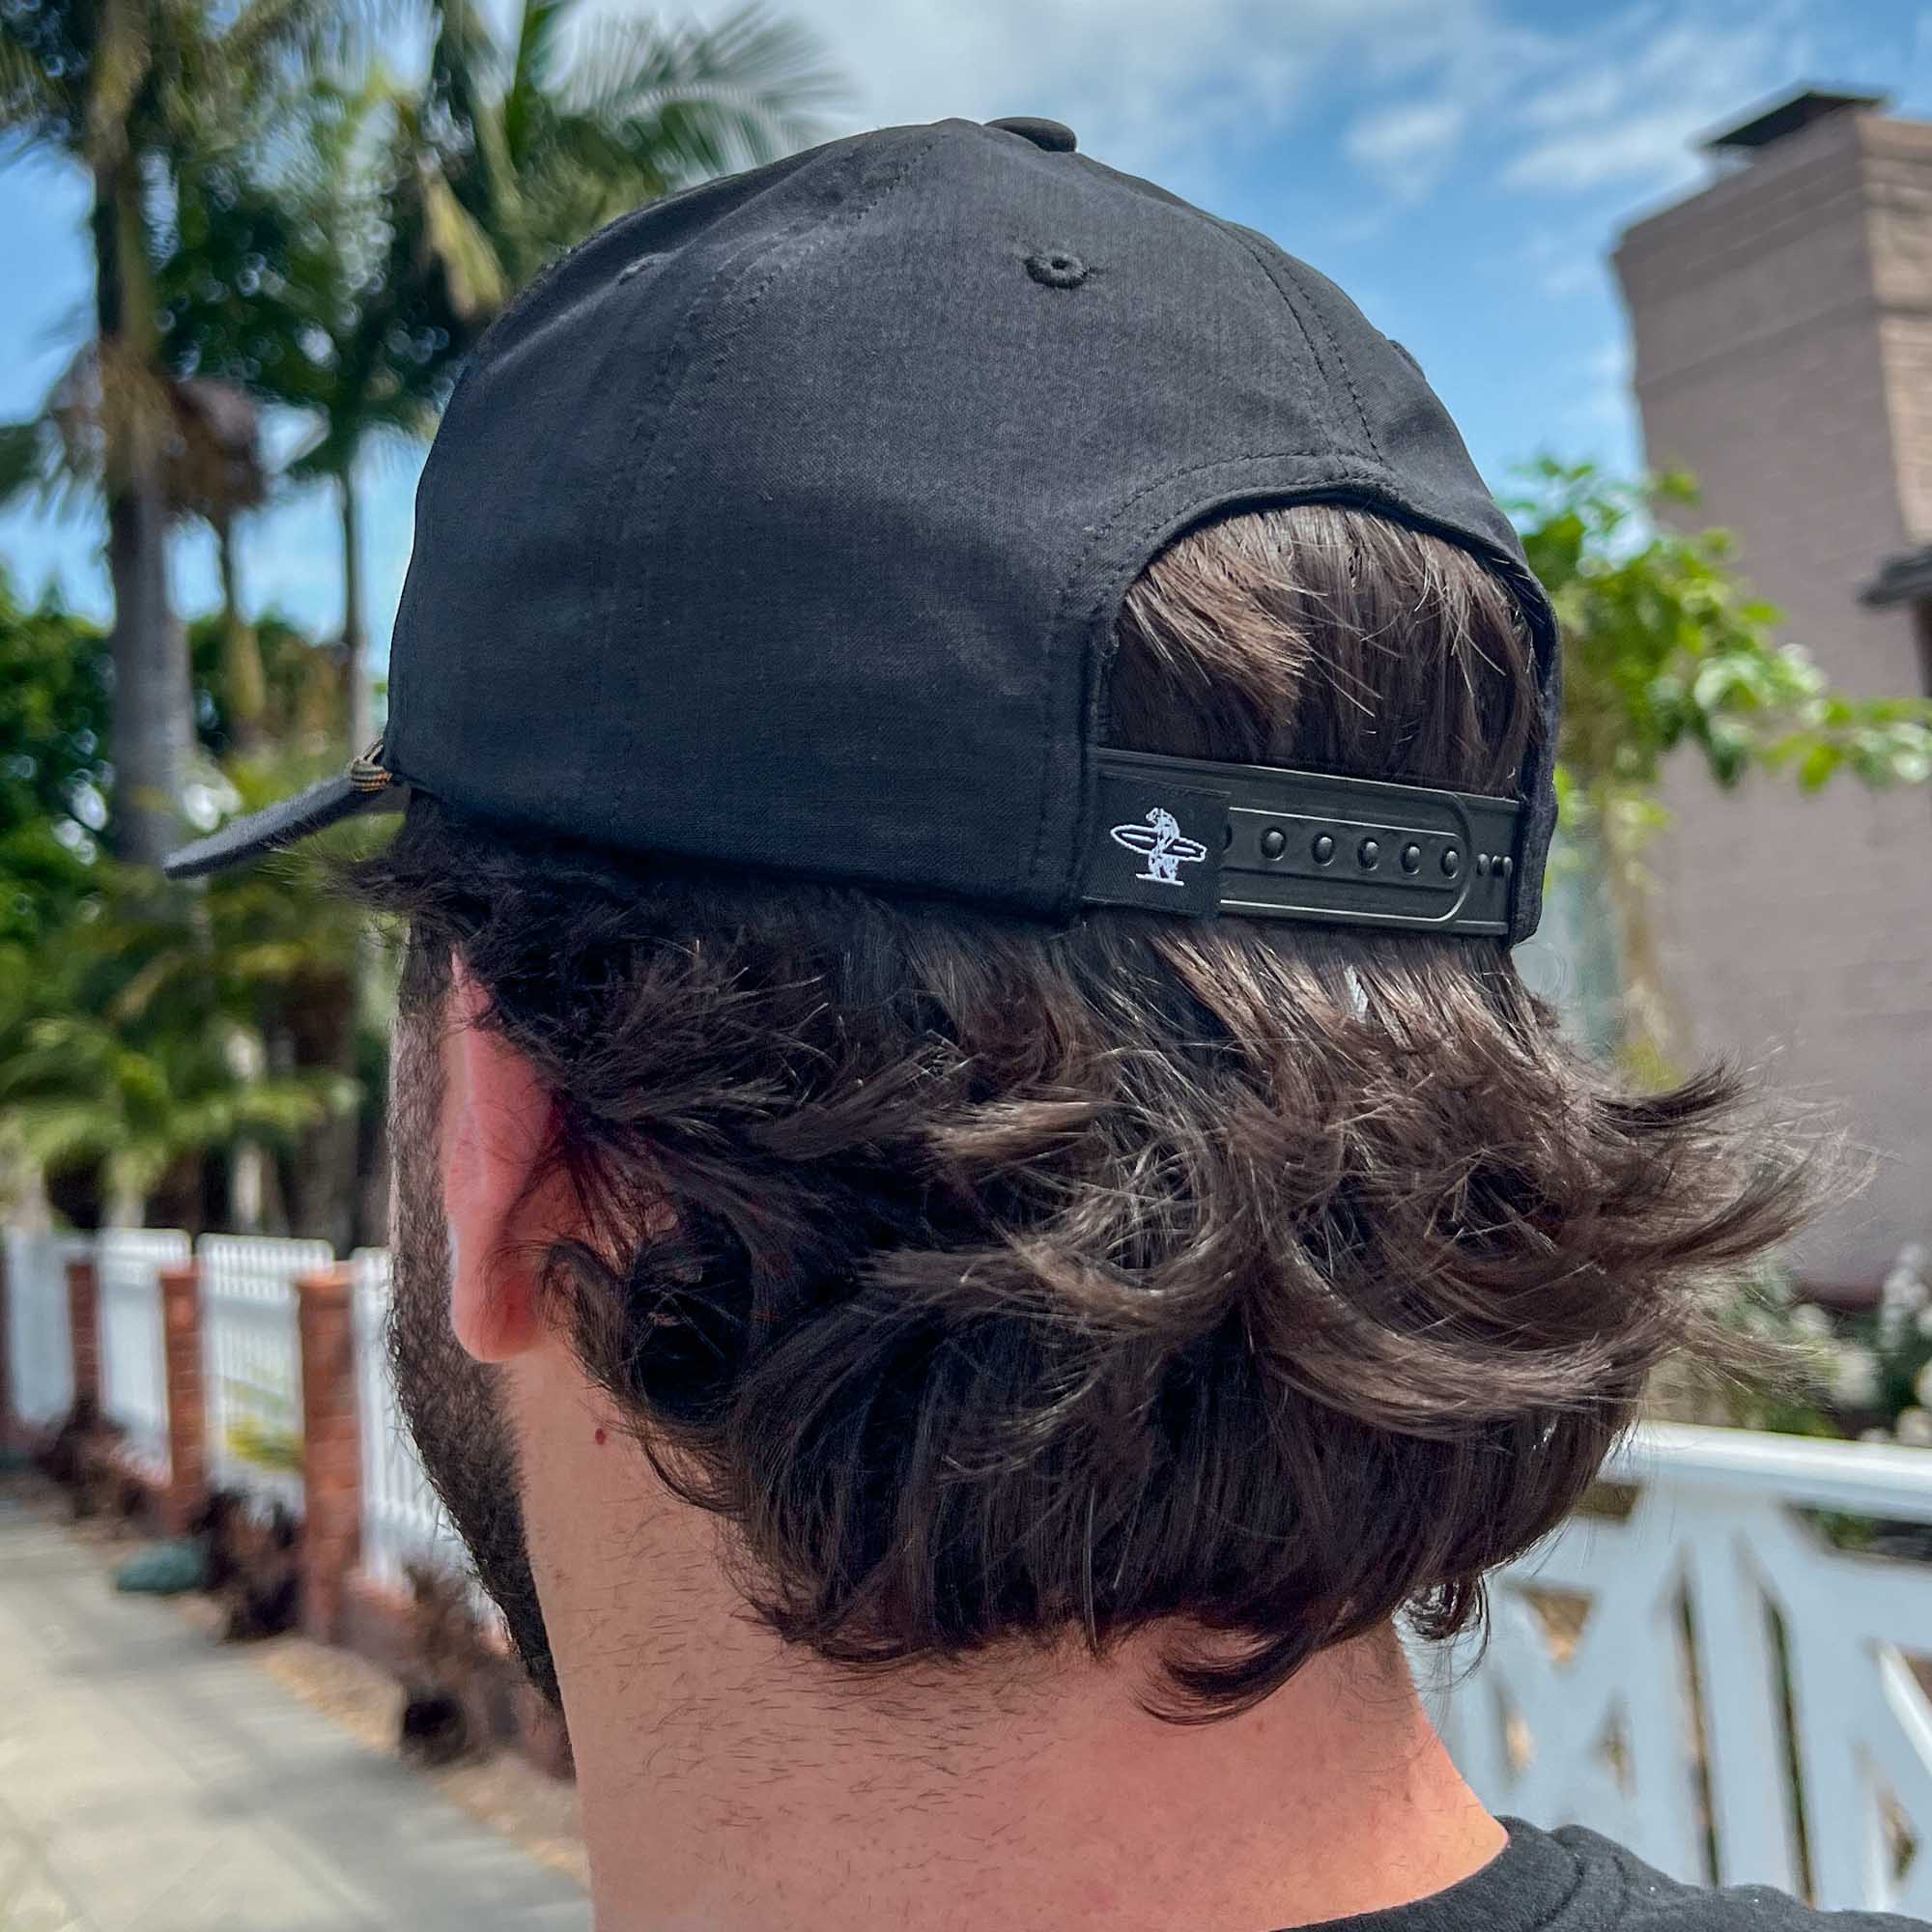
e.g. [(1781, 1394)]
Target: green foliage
[(1665, 651), (265, 1447), (1664, 647), (53, 708), (130, 1039), (53, 732), (142, 1029), (302, 691), (404, 217)]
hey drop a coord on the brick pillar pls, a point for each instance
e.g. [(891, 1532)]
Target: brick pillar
[(187, 1445), (331, 1447), (83, 1318)]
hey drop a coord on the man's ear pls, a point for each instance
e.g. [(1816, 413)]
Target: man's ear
[(496, 1123)]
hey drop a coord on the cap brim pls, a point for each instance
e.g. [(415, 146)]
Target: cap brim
[(323, 805)]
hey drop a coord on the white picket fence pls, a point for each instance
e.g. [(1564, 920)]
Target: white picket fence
[(402, 1520), (1712, 1681), (251, 1362), (127, 1264), (39, 1348)]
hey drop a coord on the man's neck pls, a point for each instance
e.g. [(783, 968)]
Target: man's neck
[(731, 1784), (1049, 1802)]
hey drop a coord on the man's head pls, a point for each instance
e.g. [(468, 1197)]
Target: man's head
[(974, 747), (999, 1284)]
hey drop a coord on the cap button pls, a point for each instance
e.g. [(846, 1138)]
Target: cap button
[(1055, 136)]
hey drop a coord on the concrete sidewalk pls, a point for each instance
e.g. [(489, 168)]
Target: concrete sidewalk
[(152, 1781)]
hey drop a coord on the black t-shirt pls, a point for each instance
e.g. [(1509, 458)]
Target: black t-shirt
[(1573, 1881)]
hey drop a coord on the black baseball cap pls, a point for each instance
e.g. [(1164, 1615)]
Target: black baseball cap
[(784, 523)]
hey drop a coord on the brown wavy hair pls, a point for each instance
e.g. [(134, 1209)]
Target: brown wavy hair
[(993, 1281)]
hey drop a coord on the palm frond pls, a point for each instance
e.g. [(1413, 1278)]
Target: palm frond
[(532, 71), (478, 285), (263, 32), (701, 100), (33, 462), (277, 50), (57, 1134)]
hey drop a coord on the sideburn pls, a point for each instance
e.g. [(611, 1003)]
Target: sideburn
[(454, 1404)]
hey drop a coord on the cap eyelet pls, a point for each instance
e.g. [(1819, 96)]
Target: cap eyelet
[(1057, 268), (366, 773)]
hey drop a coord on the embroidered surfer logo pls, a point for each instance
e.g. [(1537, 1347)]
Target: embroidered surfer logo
[(1160, 843)]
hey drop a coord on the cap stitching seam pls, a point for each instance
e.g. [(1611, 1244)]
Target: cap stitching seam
[(1341, 356), (1341, 360), (1230, 234)]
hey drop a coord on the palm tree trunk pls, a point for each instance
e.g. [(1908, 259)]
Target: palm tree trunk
[(354, 638), (152, 715), (326, 1201), (151, 679), (244, 688)]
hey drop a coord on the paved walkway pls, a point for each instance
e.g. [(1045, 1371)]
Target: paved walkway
[(151, 1781)]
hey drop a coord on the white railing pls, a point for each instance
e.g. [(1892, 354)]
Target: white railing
[(128, 1266), (40, 1352), (1712, 1681), (251, 1365), (402, 1520)]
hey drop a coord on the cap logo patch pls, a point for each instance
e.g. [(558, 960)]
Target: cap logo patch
[(1160, 842)]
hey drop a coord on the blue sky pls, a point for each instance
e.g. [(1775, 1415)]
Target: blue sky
[(1462, 167)]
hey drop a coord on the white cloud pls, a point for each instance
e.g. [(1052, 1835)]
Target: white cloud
[(1403, 145), (1146, 86), (1651, 90), (1612, 99)]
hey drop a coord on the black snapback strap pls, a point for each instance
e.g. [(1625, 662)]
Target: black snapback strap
[(1193, 837)]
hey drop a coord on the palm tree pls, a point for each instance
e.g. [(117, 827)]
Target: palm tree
[(128, 90)]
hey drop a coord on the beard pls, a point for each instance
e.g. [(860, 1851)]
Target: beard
[(454, 1404)]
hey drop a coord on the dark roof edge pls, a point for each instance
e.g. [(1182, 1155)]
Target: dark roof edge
[(1786, 114), (1903, 578)]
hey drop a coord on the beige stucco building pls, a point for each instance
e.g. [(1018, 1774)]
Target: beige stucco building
[(1782, 319)]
